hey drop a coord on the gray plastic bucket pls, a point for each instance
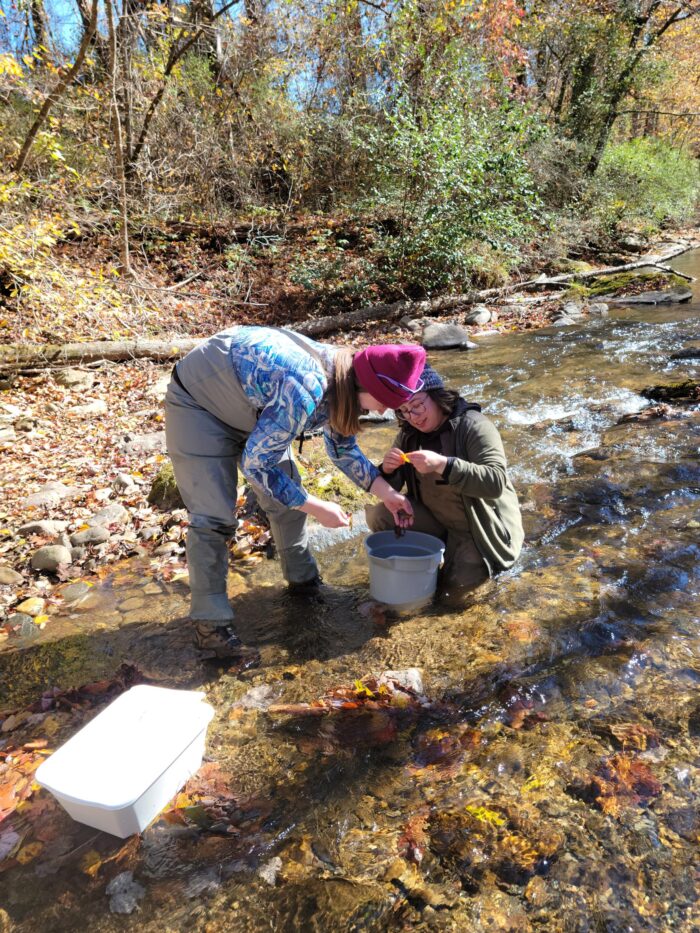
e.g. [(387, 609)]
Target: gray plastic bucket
[(403, 570)]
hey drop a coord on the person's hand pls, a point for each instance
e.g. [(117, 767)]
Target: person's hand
[(400, 507), (427, 461), (328, 514), (393, 459)]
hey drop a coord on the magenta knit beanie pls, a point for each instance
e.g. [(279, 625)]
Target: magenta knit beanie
[(390, 372)]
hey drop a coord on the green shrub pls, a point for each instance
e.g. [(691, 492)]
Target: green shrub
[(645, 182)]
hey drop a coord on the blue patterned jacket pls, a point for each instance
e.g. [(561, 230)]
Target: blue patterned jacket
[(287, 386)]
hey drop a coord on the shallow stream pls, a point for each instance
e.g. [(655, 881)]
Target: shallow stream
[(550, 783)]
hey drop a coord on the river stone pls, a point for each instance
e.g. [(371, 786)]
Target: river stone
[(123, 482), (670, 296), (598, 309), (9, 577), (33, 606), (51, 557), (28, 628), (573, 309), (48, 528), (98, 534), (74, 591), (50, 495), (144, 443), (124, 893), (92, 408), (690, 353), (114, 514), (411, 677), (479, 314), (149, 532), (16, 619), (164, 493), (74, 378), (446, 337), (160, 387)]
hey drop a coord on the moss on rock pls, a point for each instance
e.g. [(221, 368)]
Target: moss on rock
[(625, 283), (164, 493)]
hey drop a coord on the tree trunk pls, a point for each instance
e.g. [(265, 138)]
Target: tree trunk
[(16, 358), (58, 91)]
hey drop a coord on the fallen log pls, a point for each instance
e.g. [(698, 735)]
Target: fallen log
[(657, 262), (387, 312), (14, 358)]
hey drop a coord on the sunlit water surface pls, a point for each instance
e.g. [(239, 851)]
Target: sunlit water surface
[(552, 781)]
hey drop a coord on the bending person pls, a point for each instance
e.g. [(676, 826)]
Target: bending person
[(457, 482), (241, 398)]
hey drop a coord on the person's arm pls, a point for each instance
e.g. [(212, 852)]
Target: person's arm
[(481, 471), (346, 454)]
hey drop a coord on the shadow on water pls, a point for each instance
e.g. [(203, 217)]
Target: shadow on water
[(547, 780)]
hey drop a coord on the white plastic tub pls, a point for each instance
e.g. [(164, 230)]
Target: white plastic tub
[(123, 767), (403, 570)]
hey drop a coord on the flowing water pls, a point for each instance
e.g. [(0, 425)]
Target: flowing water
[(549, 782)]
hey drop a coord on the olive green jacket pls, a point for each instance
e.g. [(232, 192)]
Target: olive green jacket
[(480, 471)]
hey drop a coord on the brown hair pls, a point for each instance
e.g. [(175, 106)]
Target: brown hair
[(342, 395)]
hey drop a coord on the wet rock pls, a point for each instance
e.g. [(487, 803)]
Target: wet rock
[(114, 514), (134, 602), (48, 528), (690, 353), (144, 443), (479, 314), (164, 493), (685, 391), (411, 677), (670, 296), (50, 495), (75, 379), (598, 309), (33, 606), (9, 577), (91, 409), (98, 534), (50, 558), (124, 893), (29, 629), (269, 871), (15, 721), (18, 619), (446, 337), (573, 309), (75, 591), (259, 697)]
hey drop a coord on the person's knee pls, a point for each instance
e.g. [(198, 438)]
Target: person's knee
[(379, 518)]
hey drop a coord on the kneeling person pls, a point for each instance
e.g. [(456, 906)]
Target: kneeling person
[(457, 481)]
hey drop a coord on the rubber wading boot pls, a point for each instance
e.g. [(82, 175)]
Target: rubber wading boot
[(308, 590), (207, 564)]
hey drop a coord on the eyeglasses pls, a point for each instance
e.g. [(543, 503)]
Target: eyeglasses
[(400, 385), (410, 411)]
